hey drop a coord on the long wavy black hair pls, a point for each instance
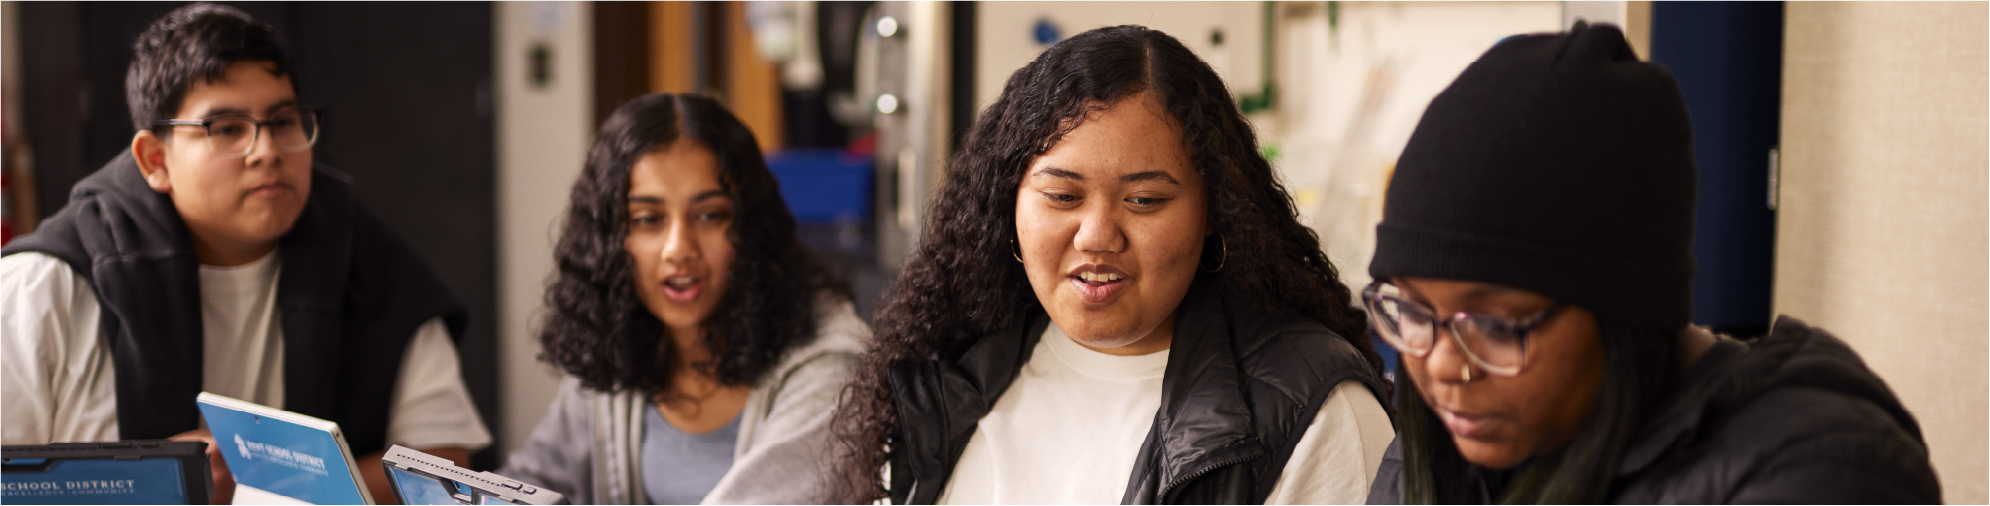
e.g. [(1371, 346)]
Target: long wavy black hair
[(1638, 362), (599, 330), (961, 283)]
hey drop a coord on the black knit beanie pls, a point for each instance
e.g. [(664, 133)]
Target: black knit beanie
[(1558, 164)]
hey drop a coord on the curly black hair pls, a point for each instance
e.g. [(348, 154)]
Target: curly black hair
[(599, 330), (961, 282)]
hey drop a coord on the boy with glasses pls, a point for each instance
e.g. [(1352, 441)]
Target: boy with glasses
[(214, 256)]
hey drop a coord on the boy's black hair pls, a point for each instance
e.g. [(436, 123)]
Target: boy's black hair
[(193, 44)]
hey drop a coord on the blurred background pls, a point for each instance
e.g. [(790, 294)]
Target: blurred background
[(1842, 146)]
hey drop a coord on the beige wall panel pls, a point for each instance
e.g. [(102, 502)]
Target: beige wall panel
[(543, 133), (1637, 28), (1882, 227)]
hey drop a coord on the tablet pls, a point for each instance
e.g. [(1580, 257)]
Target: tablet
[(420, 478), (281, 456), (124, 472)]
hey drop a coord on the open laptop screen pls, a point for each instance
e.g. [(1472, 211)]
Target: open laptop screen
[(125, 472)]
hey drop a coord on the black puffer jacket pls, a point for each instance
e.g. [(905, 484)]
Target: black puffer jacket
[(1237, 395), (1791, 417)]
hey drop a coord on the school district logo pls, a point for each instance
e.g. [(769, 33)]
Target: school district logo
[(280, 456)]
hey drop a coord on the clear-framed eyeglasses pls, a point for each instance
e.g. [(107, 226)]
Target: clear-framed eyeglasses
[(294, 129), (1496, 345)]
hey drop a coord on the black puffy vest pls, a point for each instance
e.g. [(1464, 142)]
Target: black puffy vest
[(1238, 393), (349, 296)]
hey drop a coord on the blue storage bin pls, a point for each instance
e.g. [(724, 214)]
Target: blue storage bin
[(823, 184)]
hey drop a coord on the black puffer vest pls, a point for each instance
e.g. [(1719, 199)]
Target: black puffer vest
[(1239, 391), (349, 296), (1793, 417)]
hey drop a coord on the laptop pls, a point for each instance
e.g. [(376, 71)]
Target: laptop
[(281, 457), (124, 472), (420, 478)]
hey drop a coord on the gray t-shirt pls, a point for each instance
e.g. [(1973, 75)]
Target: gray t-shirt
[(680, 467)]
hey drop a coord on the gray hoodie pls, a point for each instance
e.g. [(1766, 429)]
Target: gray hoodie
[(589, 446)]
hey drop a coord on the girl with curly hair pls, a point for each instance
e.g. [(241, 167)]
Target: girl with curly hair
[(703, 346), (1114, 302)]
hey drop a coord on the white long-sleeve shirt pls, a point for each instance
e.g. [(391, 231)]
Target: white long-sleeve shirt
[(57, 379)]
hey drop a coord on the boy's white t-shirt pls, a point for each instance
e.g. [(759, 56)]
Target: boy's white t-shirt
[(1069, 427), (59, 381), (239, 357)]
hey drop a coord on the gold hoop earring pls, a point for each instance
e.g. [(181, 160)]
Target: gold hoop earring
[(1225, 245), (1016, 251)]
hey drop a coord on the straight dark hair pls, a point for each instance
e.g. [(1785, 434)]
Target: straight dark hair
[(195, 44), (1638, 367), (599, 330)]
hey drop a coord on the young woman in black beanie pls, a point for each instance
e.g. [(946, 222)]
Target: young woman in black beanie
[(1534, 265)]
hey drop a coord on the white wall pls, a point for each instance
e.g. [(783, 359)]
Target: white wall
[(1882, 232), (543, 136), (1349, 96), (1004, 40)]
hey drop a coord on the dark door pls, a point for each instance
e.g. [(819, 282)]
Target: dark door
[(1728, 58)]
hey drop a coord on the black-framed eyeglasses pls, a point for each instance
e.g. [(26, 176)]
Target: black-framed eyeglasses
[(293, 129), (1497, 345)]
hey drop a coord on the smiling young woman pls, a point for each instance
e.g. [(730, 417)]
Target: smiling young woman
[(1114, 301), (1111, 225)]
